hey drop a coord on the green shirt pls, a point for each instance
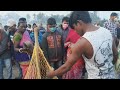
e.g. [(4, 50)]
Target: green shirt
[(17, 37)]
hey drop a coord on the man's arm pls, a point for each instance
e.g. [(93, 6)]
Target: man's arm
[(115, 52), (76, 52)]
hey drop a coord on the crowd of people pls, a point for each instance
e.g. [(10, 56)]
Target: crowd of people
[(74, 49)]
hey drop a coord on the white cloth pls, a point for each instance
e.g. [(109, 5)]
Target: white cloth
[(100, 65)]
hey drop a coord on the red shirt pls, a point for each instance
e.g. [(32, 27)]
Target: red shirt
[(76, 71), (73, 37)]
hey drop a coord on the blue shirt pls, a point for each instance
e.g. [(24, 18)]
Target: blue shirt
[(39, 37)]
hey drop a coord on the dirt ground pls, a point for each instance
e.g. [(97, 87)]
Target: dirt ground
[(15, 73)]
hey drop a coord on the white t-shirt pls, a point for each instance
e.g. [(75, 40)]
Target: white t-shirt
[(100, 65)]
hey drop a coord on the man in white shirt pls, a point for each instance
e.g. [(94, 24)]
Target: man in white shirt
[(96, 46)]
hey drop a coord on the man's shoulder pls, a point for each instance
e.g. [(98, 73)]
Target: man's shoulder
[(105, 33), (59, 28), (82, 40), (58, 32), (82, 43), (104, 30), (45, 34)]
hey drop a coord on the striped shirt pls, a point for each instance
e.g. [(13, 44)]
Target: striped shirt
[(111, 25)]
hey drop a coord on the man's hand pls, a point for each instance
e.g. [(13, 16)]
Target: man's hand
[(50, 74), (22, 50), (66, 44), (71, 45)]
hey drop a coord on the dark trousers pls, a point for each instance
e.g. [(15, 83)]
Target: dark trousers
[(56, 65)]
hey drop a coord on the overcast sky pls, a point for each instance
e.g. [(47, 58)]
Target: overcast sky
[(101, 14), (23, 13)]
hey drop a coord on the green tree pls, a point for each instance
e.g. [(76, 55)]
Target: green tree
[(94, 17), (40, 17), (58, 18), (102, 22)]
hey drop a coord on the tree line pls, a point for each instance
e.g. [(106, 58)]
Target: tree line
[(42, 18)]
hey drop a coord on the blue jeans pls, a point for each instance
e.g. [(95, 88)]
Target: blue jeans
[(8, 65)]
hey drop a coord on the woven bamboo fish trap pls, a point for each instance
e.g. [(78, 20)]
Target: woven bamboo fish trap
[(38, 66)]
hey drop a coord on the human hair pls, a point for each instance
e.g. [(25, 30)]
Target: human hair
[(20, 23), (65, 19), (51, 21), (6, 27), (114, 14), (22, 19), (34, 24), (29, 25), (79, 15)]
